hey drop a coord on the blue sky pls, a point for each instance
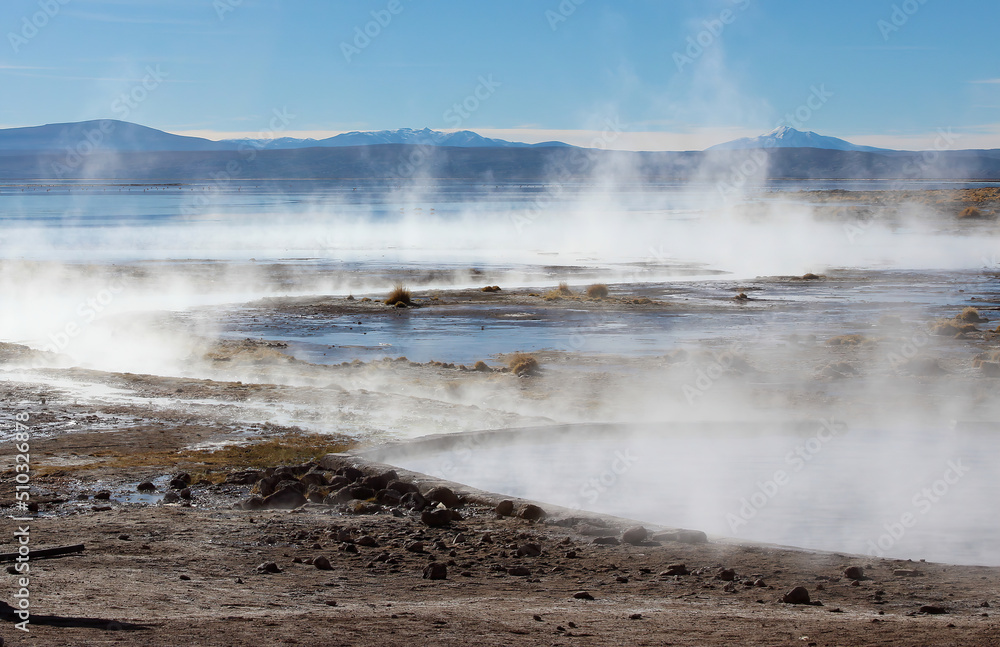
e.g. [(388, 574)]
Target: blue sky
[(667, 74)]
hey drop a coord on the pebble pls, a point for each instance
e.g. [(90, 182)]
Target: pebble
[(933, 609), (529, 550), (103, 495), (443, 495), (146, 486), (583, 595), (519, 571), (505, 508), (322, 563), (268, 567), (171, 497)]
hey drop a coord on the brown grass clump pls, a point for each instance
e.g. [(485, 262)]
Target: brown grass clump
[(641, 301), (521, 364), (742, 296), (481, 366), (809, 276), (971, 315), (564, 289), (291, 449), (597, 291), (951, 328), (971, 212), (399, 294), (491, 288)]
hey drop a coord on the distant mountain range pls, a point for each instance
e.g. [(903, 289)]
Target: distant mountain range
[(787, 137), (122, 151), (122, 136)]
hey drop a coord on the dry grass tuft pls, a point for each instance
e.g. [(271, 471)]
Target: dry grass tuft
[(491, 288), (481, 366), (971, 212), (742, 296), (951, 328), (971, 315), (399, 294), (809, 276), (522, 364), (597, 291)]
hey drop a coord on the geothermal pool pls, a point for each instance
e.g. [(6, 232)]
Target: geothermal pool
[(909, 493)]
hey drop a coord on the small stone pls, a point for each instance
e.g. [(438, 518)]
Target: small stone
[(444, 496), (519, 571), (415, 547), (367, 541), (933, 609), (123, 537), (798, 595), (726, 575), (146, 486), (634, 535), (348, 548), (436, 571), (171, 497), (606, 541), (103, 495), (185, 577), (505, 508), (287, 498), (635, 616), (436, 518), (675, 569), (529, 550), (322, 563), (621, 579), (583, 595), (268, 567), (186, 494), (854, 573), (537, 618), (532, 512), (759, 583)]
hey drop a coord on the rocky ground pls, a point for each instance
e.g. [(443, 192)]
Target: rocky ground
[(204, 570)]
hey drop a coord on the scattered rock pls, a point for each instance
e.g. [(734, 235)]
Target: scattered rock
[(933, 609), (186, 494), (634, 536), (436, 518), (854, 573), (415, 547), (583, 595), (532, 512), (529, 550), (367, 541), (635, 616), (798, 595), (906, 572), (146, 486), (726, 575), (322, 563), (606, 541), (171, 497), (287, 498), (675, 569), (268, 567), (444, 496), (505, 508), (253, 503), (436, 571), (103, 495), (519, 571)]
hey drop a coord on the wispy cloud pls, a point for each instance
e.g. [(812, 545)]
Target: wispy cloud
[(988, 81), (131, 19)]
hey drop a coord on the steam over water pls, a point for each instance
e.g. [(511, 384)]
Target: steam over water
[(125, 278)]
